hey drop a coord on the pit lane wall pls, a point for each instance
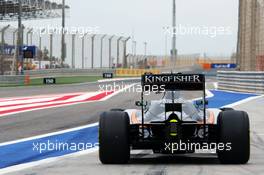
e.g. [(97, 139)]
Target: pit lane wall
[(10, 79), (20, 79), (67, 72), (241, 81)]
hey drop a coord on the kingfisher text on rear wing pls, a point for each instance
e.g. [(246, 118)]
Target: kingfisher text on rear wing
[(175, 81)]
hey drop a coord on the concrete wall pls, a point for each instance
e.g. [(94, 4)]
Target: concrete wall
[(67, 72), (241, 81), (13, 79), (10, 79)]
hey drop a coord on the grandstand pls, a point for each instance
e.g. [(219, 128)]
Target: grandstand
[(31, 9)]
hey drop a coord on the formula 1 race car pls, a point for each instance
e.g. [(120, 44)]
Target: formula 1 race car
[(171, 132)]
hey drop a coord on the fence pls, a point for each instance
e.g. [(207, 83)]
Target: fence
[(241, 81), (84, 48)]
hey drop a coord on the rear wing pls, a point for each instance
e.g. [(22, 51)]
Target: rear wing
[(188, 82), (173, 82)]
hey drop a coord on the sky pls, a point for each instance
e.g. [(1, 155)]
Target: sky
[(147, 20)]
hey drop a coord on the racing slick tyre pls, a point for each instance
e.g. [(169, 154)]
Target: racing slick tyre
[(227, 109), (114, 145), (117, 109), (234, 130)]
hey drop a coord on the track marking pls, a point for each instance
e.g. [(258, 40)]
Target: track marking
[(9, 105), (260, 134), (63, 99), (51, 105), (81, 99), (49, 134), (63, 131), (45, 161), (208, 93), (36, 96), (118, 79), (49, 160), (244, 101)]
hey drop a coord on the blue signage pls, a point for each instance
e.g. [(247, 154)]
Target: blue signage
[(223, 66), (9, 50), (29, 51)]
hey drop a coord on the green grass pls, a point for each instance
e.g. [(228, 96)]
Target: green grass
[(62, 80), (59, 80), (68, 80)]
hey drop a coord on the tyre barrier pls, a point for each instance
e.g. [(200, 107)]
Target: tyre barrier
[(252, 82)]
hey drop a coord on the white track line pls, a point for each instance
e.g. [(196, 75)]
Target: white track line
[(45, 161), (208, 93), (244, 101), (38, 96), (35, 100), (82, 97), (49, 134), (64, 131), (74, 99), (48, 160), (237, 92), (118, 79), (48, 107), (216, 85)]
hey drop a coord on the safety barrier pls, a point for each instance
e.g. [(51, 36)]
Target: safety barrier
[(135, 72), (252, 82), (28, 74), (67, 72), (11, 80)]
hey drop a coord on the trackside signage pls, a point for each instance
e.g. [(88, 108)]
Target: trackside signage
[(175, 81), (108, 75), (49, 80), (223, 66)]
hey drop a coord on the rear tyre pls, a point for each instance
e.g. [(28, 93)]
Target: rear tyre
[(114, 145), (234, 131), (117, 109), (227, 109)]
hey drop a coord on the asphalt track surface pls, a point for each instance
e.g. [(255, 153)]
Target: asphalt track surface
[(55, 119), (28, 124), (39, 122), (148, 164)]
